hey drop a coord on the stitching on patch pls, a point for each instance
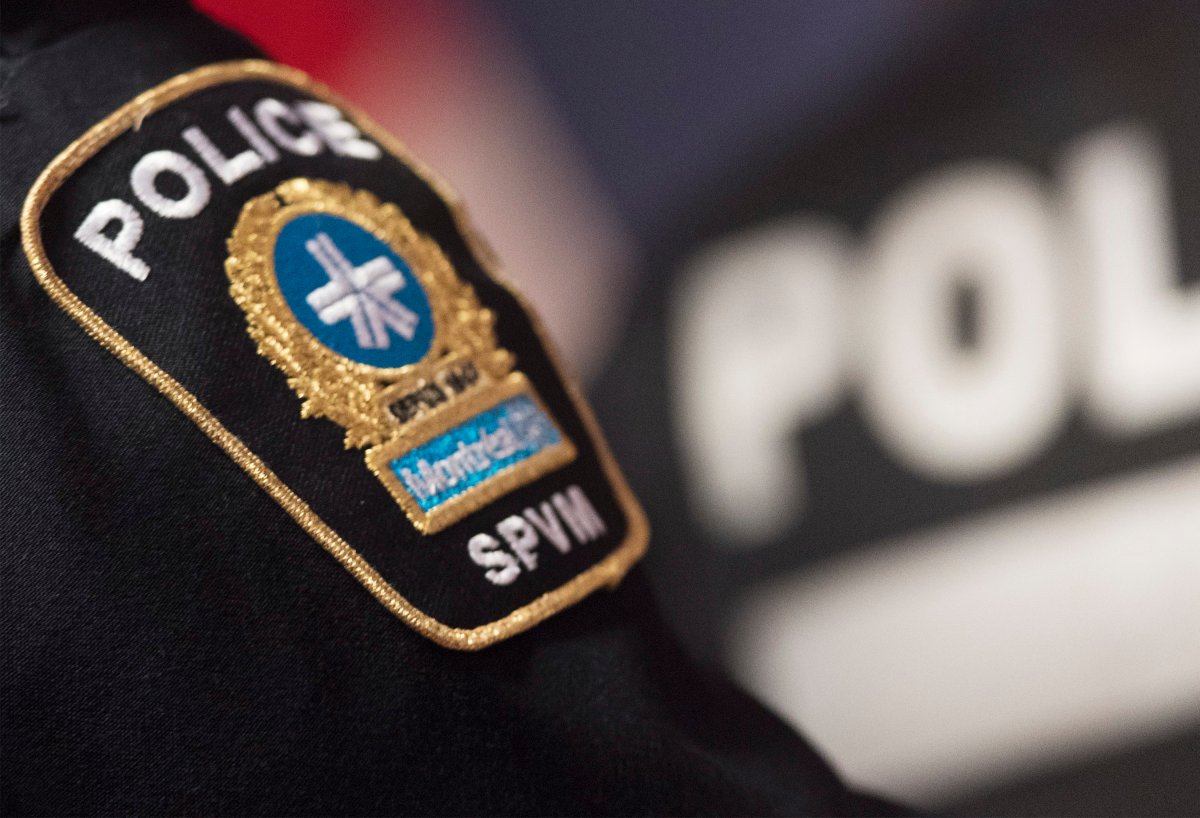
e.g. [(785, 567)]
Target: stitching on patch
[(119, 249), (463, 366), (607, 572), (144, 180)]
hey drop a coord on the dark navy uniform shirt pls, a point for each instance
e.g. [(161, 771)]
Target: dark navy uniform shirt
[(175, 640)]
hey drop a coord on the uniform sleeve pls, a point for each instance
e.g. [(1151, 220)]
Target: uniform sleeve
[(174, 642)]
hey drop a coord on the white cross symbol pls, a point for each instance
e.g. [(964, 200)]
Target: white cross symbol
[(363, 294)]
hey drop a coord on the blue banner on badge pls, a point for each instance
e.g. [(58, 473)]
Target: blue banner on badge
[(474, 452)]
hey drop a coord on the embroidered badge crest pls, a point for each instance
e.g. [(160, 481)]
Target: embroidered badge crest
[(323, 312), (376, 332)]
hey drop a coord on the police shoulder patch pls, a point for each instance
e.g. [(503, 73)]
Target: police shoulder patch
[(323, 312)]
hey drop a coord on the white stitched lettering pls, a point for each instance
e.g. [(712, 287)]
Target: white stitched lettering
[(485, 551), (521, 538), (190, 190), (341, 136), (549, 526), (573, 506), (520, 533), (118, 250), (145, 175), (228, 170), (270, 112), (238, 118)]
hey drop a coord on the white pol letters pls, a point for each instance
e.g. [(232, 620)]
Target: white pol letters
[(1076, 295)]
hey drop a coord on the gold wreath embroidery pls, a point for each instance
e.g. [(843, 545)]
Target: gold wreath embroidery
[(352, 394)]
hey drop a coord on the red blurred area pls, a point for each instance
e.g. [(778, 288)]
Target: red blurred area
[(331, 41), (446, 79)]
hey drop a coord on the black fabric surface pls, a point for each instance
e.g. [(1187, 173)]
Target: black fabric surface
[(183, 318), (174, 643)]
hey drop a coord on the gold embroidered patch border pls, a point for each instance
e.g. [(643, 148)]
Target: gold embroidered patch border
[(608, 571)]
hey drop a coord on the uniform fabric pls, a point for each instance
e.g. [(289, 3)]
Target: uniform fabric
[(174, 643)]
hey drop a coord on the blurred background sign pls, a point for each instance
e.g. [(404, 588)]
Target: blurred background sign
[(892, 313)]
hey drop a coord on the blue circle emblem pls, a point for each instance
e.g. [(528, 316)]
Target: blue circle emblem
[(352, 291)]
